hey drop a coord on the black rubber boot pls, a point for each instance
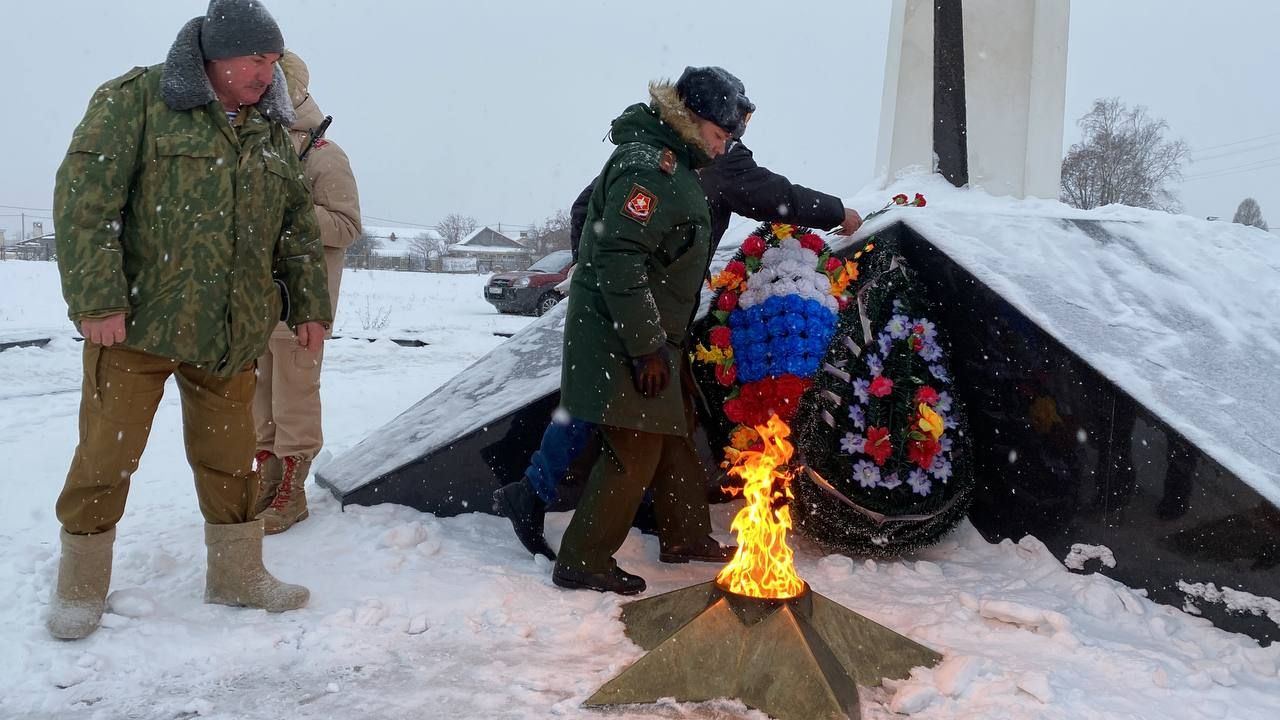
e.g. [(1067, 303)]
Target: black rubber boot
[(614, 580), (518, 503), (707, 549)]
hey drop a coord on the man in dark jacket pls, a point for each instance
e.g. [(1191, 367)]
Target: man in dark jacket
[(733, 183)]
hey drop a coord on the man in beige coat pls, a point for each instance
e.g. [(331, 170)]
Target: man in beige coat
[(286, 405)]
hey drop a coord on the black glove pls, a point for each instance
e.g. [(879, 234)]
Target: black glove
[(651, 373)]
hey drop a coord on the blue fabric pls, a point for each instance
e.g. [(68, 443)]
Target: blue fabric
[(561, 444)]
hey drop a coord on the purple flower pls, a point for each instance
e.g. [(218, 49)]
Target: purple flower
[(858, 417), (875, 365), (944, 402), (930, 330), (891, 481), (931, 352), (941, 469), (919, 482), (886, 344), (939, 372), (867, 474), (860, 388), (852, 444), (945, 443), (899, 327)]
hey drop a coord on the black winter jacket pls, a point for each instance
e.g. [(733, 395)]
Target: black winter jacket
[(734, 183)]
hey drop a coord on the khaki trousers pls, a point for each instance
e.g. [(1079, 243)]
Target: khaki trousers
[(286, 405), (121, 390)]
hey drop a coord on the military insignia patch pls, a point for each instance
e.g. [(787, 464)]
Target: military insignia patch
[(667, 163), (640, 205), (319, 143)]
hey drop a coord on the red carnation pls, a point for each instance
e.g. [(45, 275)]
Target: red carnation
[(927, 395), (922, 452), (727, 302), (737, 267), (753, 246), (917, 343), (812, 242), (878, 445), (881, 386), (721, 336), (735, 410), (834, 263), (919, 201), (726, 374), (900, 199), (843, 302)]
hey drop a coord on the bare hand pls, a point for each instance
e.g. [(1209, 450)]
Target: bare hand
[(852, 221), (311, 336), (105, 331)]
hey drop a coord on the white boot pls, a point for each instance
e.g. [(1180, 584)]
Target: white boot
[(236, 576), (84, 576)]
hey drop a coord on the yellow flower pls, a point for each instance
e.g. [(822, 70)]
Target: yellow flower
[(930, 421), (783, 231), (712, 355), (743, 437)]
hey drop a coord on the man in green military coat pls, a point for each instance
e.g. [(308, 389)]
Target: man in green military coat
[(642, 258), (185, 233)]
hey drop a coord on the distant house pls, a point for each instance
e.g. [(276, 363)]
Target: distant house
[(402, 248), (490, 251), (43, 247)]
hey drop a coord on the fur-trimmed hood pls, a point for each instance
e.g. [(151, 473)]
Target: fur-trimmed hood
[(185, 86), (676, 114)]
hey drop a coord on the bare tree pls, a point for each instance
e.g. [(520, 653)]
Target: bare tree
[(429, 249), (1125, 157), (551, 235), (1250, 213), (454, 228), (361, 251)]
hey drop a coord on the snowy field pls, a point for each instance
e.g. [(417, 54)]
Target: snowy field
[(416, 617)]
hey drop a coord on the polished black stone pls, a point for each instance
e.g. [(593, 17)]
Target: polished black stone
[(1063, 454)]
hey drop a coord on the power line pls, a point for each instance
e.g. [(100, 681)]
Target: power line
[(1238, 151), (32, 209), (1262, 165), (1239, 142)]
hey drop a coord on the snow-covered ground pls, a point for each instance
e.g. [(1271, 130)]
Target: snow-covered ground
[(414, 616)]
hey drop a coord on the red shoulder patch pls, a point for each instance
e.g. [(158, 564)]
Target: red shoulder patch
[(319, 143), (640, 204)]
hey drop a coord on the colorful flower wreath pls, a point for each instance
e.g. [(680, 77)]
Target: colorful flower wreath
[(882, 434), (906, 378), (774, 314)]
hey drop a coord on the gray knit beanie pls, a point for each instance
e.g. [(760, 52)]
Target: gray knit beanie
[(233, 28)]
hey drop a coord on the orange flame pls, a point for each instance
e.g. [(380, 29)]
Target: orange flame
[(764, 566)]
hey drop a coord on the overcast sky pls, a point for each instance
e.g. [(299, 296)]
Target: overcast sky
[(497, 108)]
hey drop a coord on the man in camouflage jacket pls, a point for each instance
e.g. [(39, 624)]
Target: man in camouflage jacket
[(181, 209)]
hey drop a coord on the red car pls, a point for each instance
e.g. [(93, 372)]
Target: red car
[(532, 290)]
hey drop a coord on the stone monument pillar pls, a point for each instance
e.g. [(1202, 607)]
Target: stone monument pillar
[(976, 90)]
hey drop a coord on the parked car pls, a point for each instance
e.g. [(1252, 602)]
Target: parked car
[(532, 290)]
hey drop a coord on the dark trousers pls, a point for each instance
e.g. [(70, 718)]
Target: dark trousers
[(630, 463)]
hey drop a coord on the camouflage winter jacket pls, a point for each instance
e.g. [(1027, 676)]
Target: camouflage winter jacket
[(167, 212)]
